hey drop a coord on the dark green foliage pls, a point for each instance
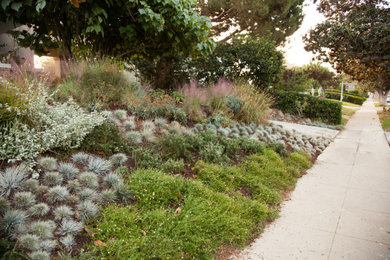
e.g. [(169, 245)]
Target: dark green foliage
[(315, 108), (173, 166), (146, 158), (279, 148), (251, 146), (214, 153), (104, 138), (8, 251), (170, 112), (176, 146), (346, 97)]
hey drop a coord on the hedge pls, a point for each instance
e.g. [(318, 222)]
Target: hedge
[(316, 108), (346, 97)]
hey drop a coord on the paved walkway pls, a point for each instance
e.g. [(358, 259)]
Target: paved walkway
[(341, 208)]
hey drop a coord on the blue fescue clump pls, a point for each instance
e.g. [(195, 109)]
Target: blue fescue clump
[(68, 170)]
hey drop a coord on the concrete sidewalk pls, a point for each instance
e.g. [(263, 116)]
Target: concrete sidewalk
[(341, 208)]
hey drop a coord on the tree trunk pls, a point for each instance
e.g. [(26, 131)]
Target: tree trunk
[(164, 74)]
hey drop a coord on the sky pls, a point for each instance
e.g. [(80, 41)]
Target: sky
[(294, 51)]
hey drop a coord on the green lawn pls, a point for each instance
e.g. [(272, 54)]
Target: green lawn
[(350, 104), (380, 105), (385, 120)]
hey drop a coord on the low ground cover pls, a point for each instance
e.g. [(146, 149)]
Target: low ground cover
[(384, 118)]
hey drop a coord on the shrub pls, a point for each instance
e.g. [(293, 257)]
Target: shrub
[(24, 199), (69, 226), (108, 196), (13, 102), (80, 158), (43, 229), (12, 220), (118, 159), (105, 139), (87, 210), (63, 212), (251, 146), (99, 166), (173, 166), (124, 194), (48, 163), (57, 194), (175, 146), (89, 179), (68, 242), (30, 242), (40, 255), (318, 109), (68, 170), (146, 158), (39, 210), (53, 178), (134, 137), (346, 97), (31, 184), (48, 245), (213, 152), (12, 178)]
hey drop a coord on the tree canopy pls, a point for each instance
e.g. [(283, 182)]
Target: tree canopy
[(150, 29), (274, 20), (355, 39)]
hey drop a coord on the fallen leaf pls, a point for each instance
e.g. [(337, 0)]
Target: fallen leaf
[(89, 231), (194, 176), (100, 243), (101, 153), (177, 211), (153, 194)]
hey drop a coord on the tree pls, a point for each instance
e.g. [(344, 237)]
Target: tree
[(355, 39), (257, 61), (274, 20), (150, 29)]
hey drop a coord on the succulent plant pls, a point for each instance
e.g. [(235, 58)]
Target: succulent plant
[(120, 114), (48, 163), (89, 179), (134, 137), (68, 242), (69, 226), (39, 210), (24, 199), (87, 210), (53, 178), (31, 184), (62, 212), (118, 159), (29, 241), (57, 194), (68, 170), (98, 165), (12, 178), (43, 229), (80, 158)]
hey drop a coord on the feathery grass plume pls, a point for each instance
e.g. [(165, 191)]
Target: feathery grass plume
[(99, 165), (134, 137), (80, 158), (48, 245), (123, 193), (53, 178), (87, 210), (120, 114), (48, 163), (160, 122), (149, 136), (42, 189), (195, 98), (68, 242), (4, 205), (68, 170), (62, 212), (69, 226), (24, 199), (12, 178), (39, 210), (30, 242), (43, 229), (12, 220), (129, 124), (89, 179), (112, 179), (118, 159), (72, 199), (148, 125), (74, 186), (108, 196), (40, 255), (89, 194), (57, 194), (31, 184)]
